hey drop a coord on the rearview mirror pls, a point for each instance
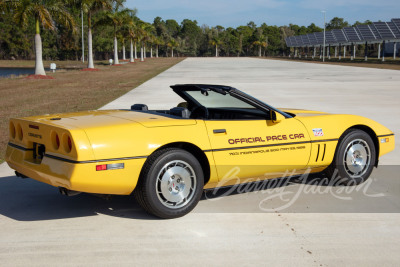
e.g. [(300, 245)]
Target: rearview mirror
[(276, 117)]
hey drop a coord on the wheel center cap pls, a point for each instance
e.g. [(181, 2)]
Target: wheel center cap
[(176, 184)]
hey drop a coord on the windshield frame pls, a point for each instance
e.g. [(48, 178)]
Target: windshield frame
[(182, 89)]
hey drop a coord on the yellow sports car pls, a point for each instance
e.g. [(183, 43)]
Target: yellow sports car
[(219, 136)]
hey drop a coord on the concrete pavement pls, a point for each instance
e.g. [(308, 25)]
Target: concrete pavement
[(324, 227)]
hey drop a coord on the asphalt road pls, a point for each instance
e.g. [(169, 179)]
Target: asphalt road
[(296, 222)]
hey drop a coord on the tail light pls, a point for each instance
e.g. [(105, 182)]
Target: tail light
[(55, 139), (67, 143)]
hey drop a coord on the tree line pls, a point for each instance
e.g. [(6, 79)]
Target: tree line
[(110, 27)]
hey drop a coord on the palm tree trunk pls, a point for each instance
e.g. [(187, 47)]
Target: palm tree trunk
[(39, 69), (123, 51), (151, 51), (141, 53), (172, 53), (135, 51), (90, 50), (116, 61), (131, 51), (157, 51), (144, 49), (259, 51), (216, 50), (90, 45)]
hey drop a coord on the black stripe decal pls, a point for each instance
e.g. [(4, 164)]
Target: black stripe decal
[(282, 144), (20, 147), (91, 161), (317, 153), (385, 135), (75, 161)]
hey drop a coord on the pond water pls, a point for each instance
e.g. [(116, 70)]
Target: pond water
[(7, 72)]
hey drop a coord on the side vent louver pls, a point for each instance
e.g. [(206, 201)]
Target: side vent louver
[(322, 152)]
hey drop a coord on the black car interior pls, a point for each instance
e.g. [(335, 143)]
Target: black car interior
[(201, 112)]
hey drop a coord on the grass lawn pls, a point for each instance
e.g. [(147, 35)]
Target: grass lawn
[(71, 90), (69, 64)]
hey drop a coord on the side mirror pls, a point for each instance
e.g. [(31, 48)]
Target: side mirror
[(276, 117)]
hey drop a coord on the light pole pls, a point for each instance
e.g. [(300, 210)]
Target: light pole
[(323, 53), (83, 41)]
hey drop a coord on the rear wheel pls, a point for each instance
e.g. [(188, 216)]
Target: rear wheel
[(354, 159), (171, 183)]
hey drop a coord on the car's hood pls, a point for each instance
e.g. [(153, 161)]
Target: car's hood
[(303, 112), (96, 118)]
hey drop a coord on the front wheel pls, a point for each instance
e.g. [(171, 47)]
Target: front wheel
[(354, 159), (171, 183)]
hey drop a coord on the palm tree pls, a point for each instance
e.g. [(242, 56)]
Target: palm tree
[(158, 42), (215, 41), (90, 7), (132, 33), (141, 32), (117, 17), (261, 41), (260, 44), (45, 13), (136, 39), (172, 44), (122, 40), (152, 41), (148, 37), (144, 31)]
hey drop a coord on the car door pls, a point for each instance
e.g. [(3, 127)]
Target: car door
[(246, 150)]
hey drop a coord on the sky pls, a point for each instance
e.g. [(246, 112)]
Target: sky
[(233, 13)]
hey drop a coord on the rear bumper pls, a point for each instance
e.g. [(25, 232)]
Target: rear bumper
[(81, 177)]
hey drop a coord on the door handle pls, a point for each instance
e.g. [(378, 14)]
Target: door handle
[(219, 131)]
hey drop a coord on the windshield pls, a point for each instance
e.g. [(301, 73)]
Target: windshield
[(211, 99)]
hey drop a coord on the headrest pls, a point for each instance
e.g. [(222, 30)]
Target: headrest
[(180, 112), (139, 107)]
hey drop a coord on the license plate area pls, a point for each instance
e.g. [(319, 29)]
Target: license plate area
[(38, 152)]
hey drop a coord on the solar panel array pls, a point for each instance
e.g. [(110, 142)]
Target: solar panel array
[(304, 40), (351, 34), (329, 38), (312, 38), (339, 36), (320, 37), (384, 32), (366, 32), (375, 32), (396, 22), (394, 29)]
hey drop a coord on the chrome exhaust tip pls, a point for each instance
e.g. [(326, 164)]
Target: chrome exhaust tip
[(66, 192)]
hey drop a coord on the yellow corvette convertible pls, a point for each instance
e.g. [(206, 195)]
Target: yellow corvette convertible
[(219, 136)]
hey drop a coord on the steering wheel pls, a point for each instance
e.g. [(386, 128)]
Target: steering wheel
[(199, 112)]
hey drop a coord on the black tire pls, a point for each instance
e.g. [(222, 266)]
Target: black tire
[(150, 191), (363, 152)]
